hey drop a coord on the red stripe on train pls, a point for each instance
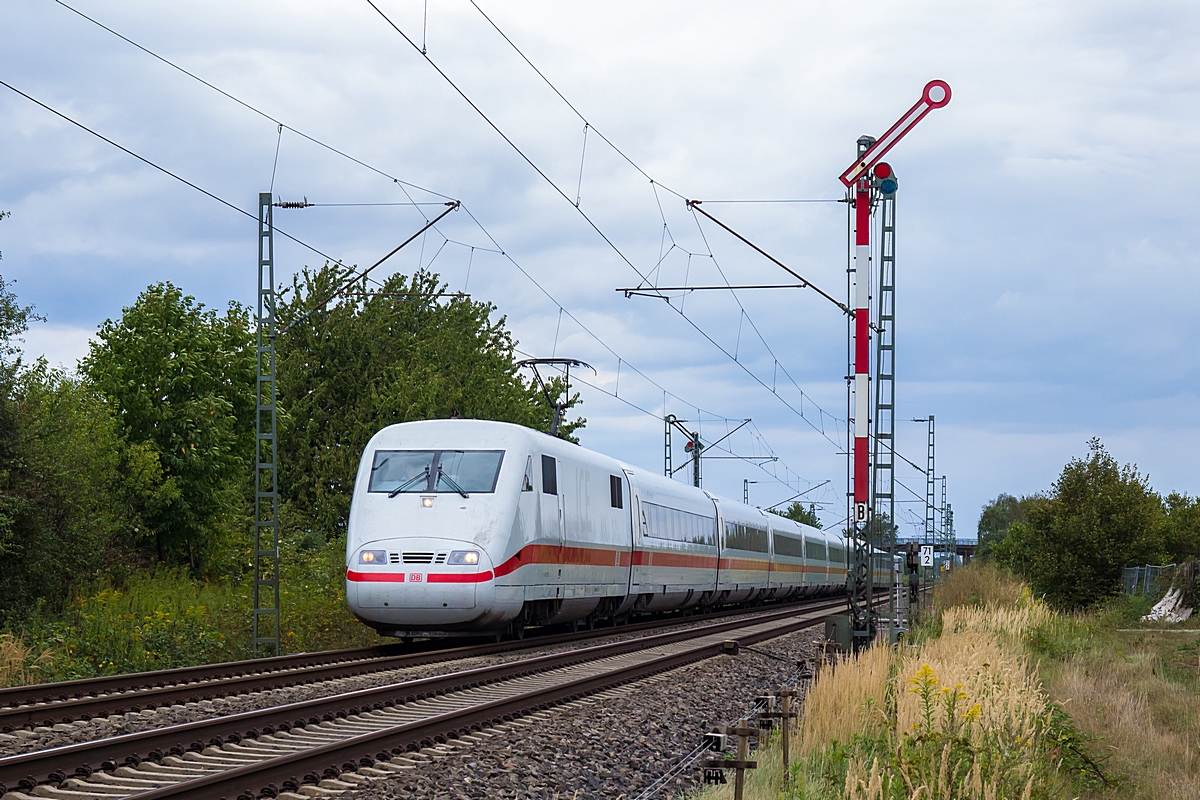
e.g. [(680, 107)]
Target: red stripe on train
[(553, 554), (375, 577), (458, 577)]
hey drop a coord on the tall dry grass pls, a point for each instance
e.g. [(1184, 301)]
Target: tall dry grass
[(21, 664), (847, 699), (962, 715), (979, 584), (973, 708), (1147, 727)]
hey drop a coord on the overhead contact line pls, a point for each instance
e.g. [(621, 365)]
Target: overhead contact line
[(612, 245), (404, 185), (246, 105), (163, 170), (694, 205)]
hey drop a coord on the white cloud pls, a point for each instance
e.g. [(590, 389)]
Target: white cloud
[(1047, 268), (61, 345)]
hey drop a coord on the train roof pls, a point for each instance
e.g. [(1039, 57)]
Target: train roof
[(478, 434)]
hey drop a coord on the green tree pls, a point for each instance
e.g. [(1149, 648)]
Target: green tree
[(180, 379), (1098, 518), (798, 513), (996, 519), (1181, 536), (62, 519), (372, 359)]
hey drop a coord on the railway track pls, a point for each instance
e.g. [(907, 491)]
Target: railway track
[(329, 744), (50, 703)]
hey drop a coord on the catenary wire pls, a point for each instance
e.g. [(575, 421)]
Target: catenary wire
[(246, 105), (816, 200), (612, 245), (571, 106), (588, 124), (401, 183), (163, 170), (749, 319), (756, 434)]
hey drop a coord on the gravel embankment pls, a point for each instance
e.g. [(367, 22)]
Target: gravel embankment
[(611, 745), (62, 734)]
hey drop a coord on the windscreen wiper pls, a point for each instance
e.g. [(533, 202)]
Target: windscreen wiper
[(442, 476), (410, 482)]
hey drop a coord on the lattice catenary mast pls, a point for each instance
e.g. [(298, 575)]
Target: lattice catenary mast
[(266, 457)]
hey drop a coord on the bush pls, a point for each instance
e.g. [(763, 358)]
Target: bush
[(1099, 518), (313, 589), (152, 622)]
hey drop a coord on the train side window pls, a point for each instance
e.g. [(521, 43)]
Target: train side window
[(527, 481), (549, 475), (616, 491)]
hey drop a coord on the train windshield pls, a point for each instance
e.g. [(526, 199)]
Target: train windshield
[(425, 471)]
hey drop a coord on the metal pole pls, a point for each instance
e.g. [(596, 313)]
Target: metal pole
[(951, 542), (266, 459), (861, 612), (930, 509), (943, 515), (883, 475), (667, 420)]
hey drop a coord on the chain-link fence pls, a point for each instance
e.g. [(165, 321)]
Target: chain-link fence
[(1147, 579)]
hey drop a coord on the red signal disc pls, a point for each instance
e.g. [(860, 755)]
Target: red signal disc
[(883, 170)]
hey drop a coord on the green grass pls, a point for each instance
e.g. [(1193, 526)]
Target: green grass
[(164, 619)]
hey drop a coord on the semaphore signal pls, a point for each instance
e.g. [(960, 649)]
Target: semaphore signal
[(864, 180)]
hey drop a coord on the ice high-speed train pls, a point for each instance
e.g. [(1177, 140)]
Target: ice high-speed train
[(466, 526)]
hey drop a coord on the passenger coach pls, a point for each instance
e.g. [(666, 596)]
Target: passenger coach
[(468, 526)]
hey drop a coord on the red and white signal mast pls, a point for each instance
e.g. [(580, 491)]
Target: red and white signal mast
[(867, 180)]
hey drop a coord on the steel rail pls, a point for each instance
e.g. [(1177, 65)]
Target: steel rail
[(63, 691), (46, 704), (262, 778), (56, 764)]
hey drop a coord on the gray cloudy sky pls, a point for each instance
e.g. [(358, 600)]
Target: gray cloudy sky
[(1046, 224)]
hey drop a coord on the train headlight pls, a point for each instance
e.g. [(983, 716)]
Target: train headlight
[(427, 502), (463, 557), (372, 557)]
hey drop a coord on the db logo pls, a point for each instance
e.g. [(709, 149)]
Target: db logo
[(415, 577)]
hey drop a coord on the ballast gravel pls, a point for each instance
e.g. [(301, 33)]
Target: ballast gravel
[(614, 744), (41, 738)]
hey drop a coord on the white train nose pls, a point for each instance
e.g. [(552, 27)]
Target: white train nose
[(421, 581)]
